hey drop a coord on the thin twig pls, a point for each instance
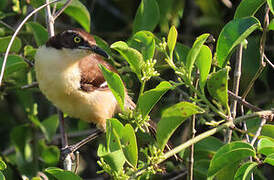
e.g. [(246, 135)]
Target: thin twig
[(49, 21), (193, 132), (15, 34), (32, 85), (261, 114), (235, 90), (59, 12), (243, 102), (268, 61), (258, 132), (262, 46), (7, 25)]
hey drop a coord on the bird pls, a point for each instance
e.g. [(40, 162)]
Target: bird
[(68, 74)]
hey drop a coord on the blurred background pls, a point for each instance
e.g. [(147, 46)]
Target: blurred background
[(112, 20)]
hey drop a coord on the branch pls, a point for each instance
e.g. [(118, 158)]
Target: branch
[(15, 34), (59, 12), (268, 114), (243, 102)]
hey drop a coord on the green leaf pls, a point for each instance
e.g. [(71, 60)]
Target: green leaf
[(115, 84), (4, 42), (50, 124), (244, 172), (2, 165), (29, 51), (268, 130), (203, 63), (265, 146), (144, 42), (200, 168), (171, 40), (271, 25), (147, 16), (194, 51), (39, 32), (129, 145), (271, 5), (229, 154), (77, 11), (49, 154), (14, 64), (172, 118), (206, 148), (269, 159), (233, 34), (115, 159), (181, 52), (217, 86), (114, 132), (133, 57), (148, 99), (2, 177), (61, 174), (248, 8), (20, 135)]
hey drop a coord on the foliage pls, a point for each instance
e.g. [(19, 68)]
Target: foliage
[(177, 76)]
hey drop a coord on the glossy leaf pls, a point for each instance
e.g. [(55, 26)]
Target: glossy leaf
[(229, 154), (148, 99), (4, 42), (115, 84), (129, 145), (51, 124), (265, 146), (14, 64), (244, 172), (271, 5), (171, 40), (144, 42), (194, 51), (133, 57), (269, 159), (147, 16), (172, 118), (77, 11), (61, 174), (203, 63), (217, 86), (233, 34), (248, 8), (2, 165), (39, 32)]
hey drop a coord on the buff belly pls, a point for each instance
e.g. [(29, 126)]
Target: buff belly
[(59, 80)]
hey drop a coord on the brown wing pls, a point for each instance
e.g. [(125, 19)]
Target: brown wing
[(91, 75)]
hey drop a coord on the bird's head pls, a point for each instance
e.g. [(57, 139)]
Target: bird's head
[(75, 43)]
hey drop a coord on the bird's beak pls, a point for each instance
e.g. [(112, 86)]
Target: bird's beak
[(95, 49)]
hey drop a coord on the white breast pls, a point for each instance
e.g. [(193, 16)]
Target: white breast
[(59, 78)]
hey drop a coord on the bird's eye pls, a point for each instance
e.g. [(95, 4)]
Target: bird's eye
[(76, 39)]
